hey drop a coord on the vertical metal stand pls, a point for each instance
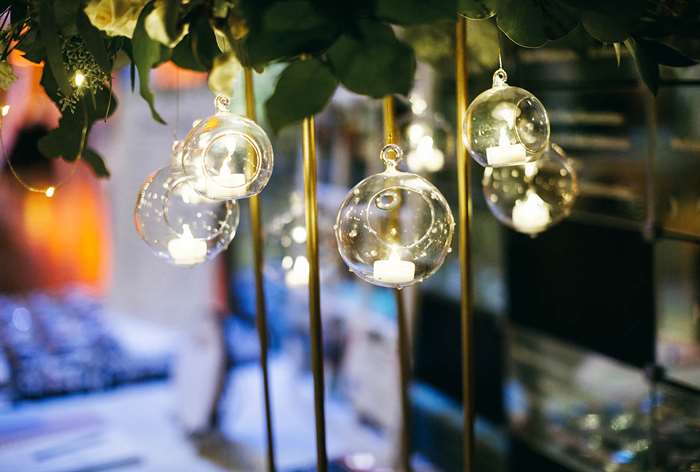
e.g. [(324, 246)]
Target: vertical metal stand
[(465, 214), (404, 344), (308, 143), (260, 309)]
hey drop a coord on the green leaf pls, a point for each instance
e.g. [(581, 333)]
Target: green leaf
[(146, 53), (412, 12), (204, 46), (66, 12), (96, 162), (52, 41), (532, 23), (607, 27), (303, 89), (67, 140), (185, 57), (647, 67), (665, 54), (284, 32), (94, 42), (172, 14), (477, 9), (618, 53), (374, 62)]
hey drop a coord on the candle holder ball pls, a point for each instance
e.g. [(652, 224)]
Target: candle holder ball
[(505, 126), (178, 224), (394, 229), (535, 196), (230, 157)]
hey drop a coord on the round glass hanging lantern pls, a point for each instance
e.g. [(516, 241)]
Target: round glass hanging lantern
[(535, 196), (179, 224), (229, 156), (429, 142), (394, 229), (505, 126)]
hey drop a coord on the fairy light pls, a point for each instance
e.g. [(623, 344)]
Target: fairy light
[(5, 110), (50, 191), (79, 79)]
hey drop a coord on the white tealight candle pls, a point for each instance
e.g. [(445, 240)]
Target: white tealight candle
[(226, 185), (531, 214), (505, 154), (186, 249), (394, 270)]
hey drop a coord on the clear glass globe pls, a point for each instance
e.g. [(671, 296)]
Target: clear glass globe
[(535, 196), (179, 224), (429, 142), (394, 229), (229, 156), (505, 126), (286, 255)]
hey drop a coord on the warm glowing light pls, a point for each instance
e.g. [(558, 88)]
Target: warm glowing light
[(416, 132), (505, 153), (186, 249), (299, 234), (79, 79), (5, 110), (299, 273), (531, 214), (394, 270), (418, 105), (49, 192)]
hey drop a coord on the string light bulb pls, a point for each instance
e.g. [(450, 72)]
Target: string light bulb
[(228, 156), (394, 229), (79, 79), (535, 196), (50, 191), (505, 125)]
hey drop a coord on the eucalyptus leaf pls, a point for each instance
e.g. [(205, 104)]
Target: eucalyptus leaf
[(477, 9), (303, 89), (532, 23), (146, 53), (96, 162), (647, 67), (374, 62), (52, 41), (92, 38), (412, 12)]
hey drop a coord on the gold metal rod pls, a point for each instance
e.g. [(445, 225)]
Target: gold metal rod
[(404, 343), (308, 144), (465, 216), (254, 205)]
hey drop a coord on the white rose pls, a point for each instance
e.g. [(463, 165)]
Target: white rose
[(115, 17), (223, 74), (155, 26)]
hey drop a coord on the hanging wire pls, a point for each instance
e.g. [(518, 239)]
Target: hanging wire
[(50, 190)]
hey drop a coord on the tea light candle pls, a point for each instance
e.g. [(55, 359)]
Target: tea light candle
[(394, 270), (186, 249), (531, 214), (226, 185), (505, 154)]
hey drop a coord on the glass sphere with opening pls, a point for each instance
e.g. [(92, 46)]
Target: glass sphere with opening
[(228, 156), (394, 229), (505, 126), (180, 225), (535, 196)]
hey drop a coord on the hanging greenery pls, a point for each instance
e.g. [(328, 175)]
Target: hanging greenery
[(350, 43)]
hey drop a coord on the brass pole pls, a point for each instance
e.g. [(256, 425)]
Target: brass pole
[(260, 309), (390, 137), (465, 216), (308, 144)]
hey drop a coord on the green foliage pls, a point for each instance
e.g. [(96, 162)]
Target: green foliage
[(373, 62), (146, 53), (303, 89), (348, 42)]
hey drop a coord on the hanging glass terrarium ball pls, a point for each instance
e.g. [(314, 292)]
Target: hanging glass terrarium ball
[(505, 125), (535, 196), (178, 223), (429, 142), (394, 229), (229, 156)]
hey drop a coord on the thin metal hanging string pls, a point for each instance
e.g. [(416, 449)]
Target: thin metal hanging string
[(49, 190)]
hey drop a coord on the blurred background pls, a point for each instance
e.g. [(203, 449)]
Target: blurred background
[(587, 337)]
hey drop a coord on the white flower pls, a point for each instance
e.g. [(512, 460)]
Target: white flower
[(223, 74), (156, 29), (115, 17)]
